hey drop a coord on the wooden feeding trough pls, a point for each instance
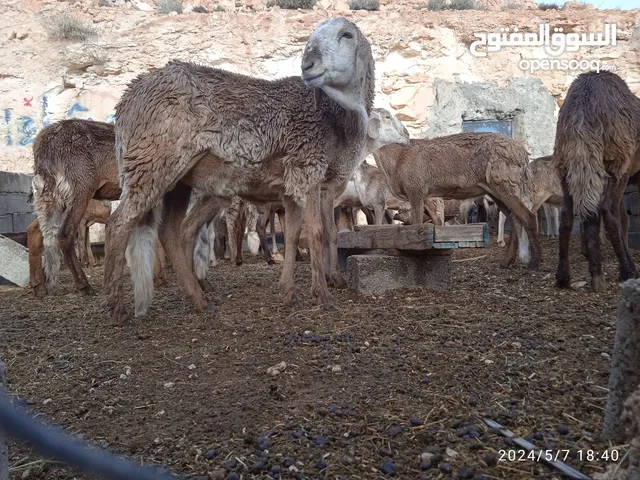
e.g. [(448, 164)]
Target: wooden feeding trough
[(379, 258)]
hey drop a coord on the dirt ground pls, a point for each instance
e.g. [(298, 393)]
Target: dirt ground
[(367, 389)]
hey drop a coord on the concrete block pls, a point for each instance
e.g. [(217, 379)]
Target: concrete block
[(22, 220), (15, 182), (14, 203), (6, 223), (14, 262), (377, 274)]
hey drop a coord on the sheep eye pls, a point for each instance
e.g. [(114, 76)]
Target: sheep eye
[(347, 35)]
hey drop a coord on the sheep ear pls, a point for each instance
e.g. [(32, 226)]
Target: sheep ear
[(318, 96), (374, 128)]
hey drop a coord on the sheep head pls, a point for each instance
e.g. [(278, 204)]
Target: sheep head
[(385, 129), (338, 62)]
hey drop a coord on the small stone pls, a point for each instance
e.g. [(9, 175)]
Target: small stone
[(258, 466), (394, 431), (321, 465), (169, 385), (218, 474), (287, 462), (233, 476), (191, 367), (489, 362), (336, 368), (516, 344), (388, 468), (473, 401), (445, 468), (13, 35), (22, 35), (490, 459), (426, 380), (45, 402), (451, 453), (127, 371), (562, 429), (465, 472), (210, 454), (425, 465), (537, 436), (415, 422), (605, 355), (123, 376), (426, 457), (231, 464), (385, 452), (277, 369), (276, 469)]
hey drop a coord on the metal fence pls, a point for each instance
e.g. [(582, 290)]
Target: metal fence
[(52, 441)]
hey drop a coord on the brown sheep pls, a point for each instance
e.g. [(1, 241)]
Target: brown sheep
[(97, 212), (74, 161), (187, 126), (597, 150), (462, 166)]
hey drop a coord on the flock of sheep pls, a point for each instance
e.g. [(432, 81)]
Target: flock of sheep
[(193, 145)]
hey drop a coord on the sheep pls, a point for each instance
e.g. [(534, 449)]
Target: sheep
[(74, 161), (97, 212), (597, 151), (545, 191), (187, 126), (462, 166), (267, 217), (446, 211)]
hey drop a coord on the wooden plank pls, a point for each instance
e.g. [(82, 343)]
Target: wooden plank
[(456, 233), (401, 237), (445, 245)]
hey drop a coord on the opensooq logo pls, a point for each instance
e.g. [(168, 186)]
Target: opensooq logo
[(554, 45)]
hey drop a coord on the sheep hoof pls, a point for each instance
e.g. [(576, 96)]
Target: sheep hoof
[(598, 284), (501, 244), (563, 281), (533, 264), (271, 261), (40, 291), (88, 291), (120, 318), (205, 285), (211, 308)]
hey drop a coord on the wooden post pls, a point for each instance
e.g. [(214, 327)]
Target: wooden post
[(631, 420), (625, 363), (4, 446)]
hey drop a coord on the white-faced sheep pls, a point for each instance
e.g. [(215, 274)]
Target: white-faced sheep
[(187, 126), (462, 166), (597, 150)]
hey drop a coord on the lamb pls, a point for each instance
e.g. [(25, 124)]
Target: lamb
[(97, 212), (74, 161), (597, 150), (545, 191), (187, 126), (462, 166)]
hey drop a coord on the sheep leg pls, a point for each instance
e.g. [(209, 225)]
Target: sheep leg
[(292, 238), (119, 229), (175, 204), (329, 234), (319, 213), (239, 227), (81, 244), (528, 223), (512, 246), (378, 211), (202, 212), (417, 209), (160, 266), (624, 223), (261, 229), (563, 276), (272, 224), (282, 217), (501, 221), (90, 257), (36, 272), (610, 208), (67, 242), (591, 246)]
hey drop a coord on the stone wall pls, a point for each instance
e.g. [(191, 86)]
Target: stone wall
[(16, 211)]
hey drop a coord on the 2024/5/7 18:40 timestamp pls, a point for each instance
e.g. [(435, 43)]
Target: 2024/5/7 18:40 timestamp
[(558, 455)]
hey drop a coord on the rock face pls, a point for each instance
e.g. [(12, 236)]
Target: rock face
[(425, 71)]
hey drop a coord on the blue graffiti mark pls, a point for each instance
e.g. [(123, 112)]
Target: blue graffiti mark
[(111, 118), (45, 115), (7, 120), (90, 118), (27, 130), (76, 108)]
